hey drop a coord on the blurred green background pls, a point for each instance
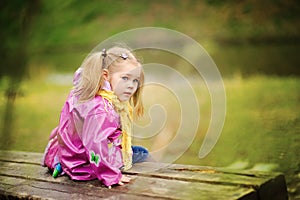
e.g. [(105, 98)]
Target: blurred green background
[(255, 45)]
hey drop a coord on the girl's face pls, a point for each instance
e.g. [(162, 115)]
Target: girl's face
[(125, 80)]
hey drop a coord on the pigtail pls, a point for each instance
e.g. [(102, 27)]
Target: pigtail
[(91, 77)]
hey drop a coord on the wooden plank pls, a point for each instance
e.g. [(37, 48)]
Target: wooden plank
[(203, 174), (145, 189), (176, 189), (150, 180), (180, 172), (273, 187), (21, 156), (269, 185), (143, 186), (32, 189)]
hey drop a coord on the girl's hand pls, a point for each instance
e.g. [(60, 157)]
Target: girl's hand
[(124, 179)]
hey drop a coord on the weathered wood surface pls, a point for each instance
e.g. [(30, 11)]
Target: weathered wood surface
[(22, 177)]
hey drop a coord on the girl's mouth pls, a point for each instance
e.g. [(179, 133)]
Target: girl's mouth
[(127, 93)]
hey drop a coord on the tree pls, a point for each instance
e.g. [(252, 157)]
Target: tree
[(16, 17)]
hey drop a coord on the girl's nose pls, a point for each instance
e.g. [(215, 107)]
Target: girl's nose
[(130, 85)]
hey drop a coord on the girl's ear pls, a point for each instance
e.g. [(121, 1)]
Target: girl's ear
[(105, 74)]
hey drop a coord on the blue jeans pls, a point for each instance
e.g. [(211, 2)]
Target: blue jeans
[(140, 154)]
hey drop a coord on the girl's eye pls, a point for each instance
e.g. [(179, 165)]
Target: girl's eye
[(125, 78), (136, 80)]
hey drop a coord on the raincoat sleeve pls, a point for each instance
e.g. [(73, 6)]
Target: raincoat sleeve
[(98, 131)]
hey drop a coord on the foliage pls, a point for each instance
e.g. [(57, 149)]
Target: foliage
[(64, 32), (15, 20)]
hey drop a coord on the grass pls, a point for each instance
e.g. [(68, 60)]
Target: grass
[(262, 123), (35, 114), (262, 120)]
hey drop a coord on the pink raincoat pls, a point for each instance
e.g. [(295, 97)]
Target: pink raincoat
[(87, 140)]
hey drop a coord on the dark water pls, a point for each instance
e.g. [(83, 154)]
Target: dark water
[(269, 59)]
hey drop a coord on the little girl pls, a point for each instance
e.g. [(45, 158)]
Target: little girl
[(93, 138)]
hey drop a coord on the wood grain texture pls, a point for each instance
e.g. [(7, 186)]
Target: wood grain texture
[(23, 177)]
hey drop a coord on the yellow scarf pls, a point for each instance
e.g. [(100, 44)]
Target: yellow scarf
[(124, 109)]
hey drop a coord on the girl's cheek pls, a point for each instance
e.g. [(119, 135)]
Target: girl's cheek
[(136, 87)]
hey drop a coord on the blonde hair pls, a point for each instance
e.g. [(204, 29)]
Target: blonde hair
[(92, 79)]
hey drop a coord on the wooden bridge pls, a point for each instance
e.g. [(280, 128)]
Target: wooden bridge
[(23, 177)]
